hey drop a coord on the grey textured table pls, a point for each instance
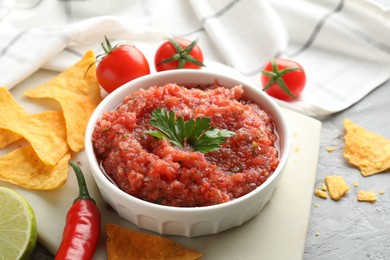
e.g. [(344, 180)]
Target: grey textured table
[(349, 229)]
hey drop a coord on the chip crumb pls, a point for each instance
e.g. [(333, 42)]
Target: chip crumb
[(355, 184), (329, 149), (316, 205), (323, 187), (317, 233), (320, 193), (366, 196), (381, 192), (336, 186)]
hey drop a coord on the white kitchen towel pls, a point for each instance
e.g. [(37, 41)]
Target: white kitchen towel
[(344, 45), (24, 50)]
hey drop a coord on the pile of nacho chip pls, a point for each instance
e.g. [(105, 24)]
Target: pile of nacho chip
[(368, 151), (51, 136)]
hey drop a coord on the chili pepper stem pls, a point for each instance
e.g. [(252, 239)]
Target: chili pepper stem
[(83, 190)]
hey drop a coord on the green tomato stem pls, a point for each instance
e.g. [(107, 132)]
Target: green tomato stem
[(276, 76), (182, 55)]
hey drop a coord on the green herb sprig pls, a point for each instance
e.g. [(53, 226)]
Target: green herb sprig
[(197, 133)]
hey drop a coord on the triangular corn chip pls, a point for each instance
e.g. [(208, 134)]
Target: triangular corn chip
[(44, 131), (8, 109), (366, 150), (22, 167), (127, 244), (78, 92)]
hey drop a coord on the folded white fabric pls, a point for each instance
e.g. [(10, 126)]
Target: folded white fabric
[(57, 48), (343, 45), (247, 34), (24, 50)]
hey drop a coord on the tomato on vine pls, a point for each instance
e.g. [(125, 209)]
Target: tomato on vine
[(120, 64), (178, 53), (283, 79)]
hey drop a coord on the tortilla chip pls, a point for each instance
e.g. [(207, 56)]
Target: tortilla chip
[(22, 167), (366, 196), (337, 187), (78, 93), (44, 131), (8, 109), (126, 244), (368, 151), (7, 137), (9, 105)]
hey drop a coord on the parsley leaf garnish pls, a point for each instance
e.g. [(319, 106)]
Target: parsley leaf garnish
[(197, 133)]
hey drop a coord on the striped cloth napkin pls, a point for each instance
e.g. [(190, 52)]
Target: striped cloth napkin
[(344, 45)]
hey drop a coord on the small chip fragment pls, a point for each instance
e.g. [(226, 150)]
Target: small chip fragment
[(381, 192), (337, 187), (323, 187), (322, 194), (366, 196), (124, 243), (330, 149), (366, 150), (355, 184)]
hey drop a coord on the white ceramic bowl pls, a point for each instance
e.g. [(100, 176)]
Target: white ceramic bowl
[(195, 221)]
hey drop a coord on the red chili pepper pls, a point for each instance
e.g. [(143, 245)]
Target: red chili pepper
[(82, 228)]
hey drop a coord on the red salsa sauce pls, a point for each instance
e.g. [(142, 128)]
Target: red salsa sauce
[(155, 170)]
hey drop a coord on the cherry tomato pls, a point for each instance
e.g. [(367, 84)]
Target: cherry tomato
[(178, 53), (283, 79), (120, 64)]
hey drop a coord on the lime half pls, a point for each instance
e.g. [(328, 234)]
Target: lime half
[(18, 226)]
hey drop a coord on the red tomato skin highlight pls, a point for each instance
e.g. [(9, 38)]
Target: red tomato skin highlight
[(295, 80), (120, 66), (167, 50)]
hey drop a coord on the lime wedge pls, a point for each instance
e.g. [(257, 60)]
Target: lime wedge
[(18, 226)]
